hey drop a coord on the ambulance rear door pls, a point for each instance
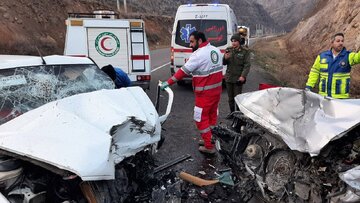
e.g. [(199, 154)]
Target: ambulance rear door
[(212, 20), (109, 46)]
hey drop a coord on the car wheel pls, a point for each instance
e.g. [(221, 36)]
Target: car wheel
[(279, 169)]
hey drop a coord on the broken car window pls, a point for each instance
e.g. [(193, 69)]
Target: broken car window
[(25, 88)]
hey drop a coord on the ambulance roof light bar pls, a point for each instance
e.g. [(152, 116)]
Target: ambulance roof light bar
[(214, 3), (96, 14)]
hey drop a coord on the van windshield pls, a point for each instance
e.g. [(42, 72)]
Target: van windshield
[(215, 31)]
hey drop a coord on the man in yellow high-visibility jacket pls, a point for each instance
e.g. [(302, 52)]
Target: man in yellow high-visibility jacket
[(332, 69)]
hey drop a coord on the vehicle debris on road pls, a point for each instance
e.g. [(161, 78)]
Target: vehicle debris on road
[(292, 145), (224, 178)]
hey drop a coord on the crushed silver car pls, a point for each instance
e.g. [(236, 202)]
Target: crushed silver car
[(65, 130), (293, 145)]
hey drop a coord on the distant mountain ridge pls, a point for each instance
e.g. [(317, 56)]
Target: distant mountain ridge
[(288, 13), (248, 12)]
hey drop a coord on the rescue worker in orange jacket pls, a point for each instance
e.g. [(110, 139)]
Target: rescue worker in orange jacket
[(205, 65)]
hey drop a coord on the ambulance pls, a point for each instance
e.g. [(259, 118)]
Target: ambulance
[(217, 21), (108, 40)]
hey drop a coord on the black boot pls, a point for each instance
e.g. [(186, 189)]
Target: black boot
[(232, 109)]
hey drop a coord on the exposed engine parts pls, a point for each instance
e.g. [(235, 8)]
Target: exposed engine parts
[(280, 174)]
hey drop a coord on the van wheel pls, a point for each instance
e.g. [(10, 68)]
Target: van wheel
[(181, 83)]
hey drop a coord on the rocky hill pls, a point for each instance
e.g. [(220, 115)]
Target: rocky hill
[(333, 16), (28, 24), (288, 13)]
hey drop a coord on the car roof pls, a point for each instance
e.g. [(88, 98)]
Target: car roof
[(12, 61)]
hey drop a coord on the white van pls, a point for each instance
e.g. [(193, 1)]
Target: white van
[(217, 21), (107, 40)]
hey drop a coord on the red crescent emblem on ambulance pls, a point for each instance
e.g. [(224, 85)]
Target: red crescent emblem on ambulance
[(102, 44)]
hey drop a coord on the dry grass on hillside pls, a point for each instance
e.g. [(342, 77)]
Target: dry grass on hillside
[(273, 56)]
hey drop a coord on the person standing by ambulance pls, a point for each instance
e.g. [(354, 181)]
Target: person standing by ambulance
[(205, 65), (237, 59)]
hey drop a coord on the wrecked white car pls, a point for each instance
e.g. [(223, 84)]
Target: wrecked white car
[(291, 145), (65, 130)]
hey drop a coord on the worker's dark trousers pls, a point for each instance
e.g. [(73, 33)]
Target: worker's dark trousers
[(233, 89)]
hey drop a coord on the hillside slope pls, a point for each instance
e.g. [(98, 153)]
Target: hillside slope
[(334, 16), (288, 13), (29, 24)]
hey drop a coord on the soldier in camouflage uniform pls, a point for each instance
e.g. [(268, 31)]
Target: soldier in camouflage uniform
[(237, 59)]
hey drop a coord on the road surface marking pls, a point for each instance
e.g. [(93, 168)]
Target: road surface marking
[(162, 66)]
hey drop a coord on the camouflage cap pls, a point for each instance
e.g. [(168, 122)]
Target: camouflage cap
[(235, 37)]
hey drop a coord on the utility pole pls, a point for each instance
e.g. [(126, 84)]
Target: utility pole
[(118, 6), (125, 6)]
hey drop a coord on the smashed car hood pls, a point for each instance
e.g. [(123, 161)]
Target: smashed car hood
[(87, 134), (304, 120)]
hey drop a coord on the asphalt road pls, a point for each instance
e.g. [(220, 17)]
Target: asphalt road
[(180, 130), (181, 135)]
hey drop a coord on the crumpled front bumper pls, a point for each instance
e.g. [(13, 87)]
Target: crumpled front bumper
[(86, 134)]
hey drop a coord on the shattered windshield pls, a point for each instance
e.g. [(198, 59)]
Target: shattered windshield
[(25, 88)]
